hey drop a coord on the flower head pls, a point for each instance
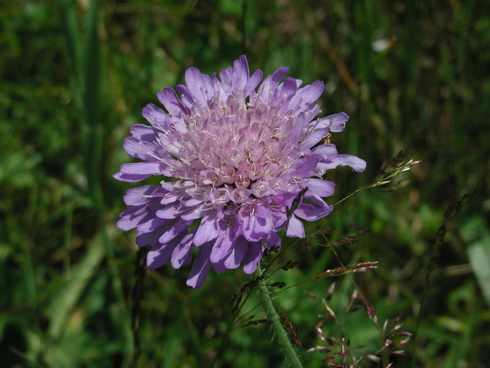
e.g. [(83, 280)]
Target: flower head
[(243, 158)]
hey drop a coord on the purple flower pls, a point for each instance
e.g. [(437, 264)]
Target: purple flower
[(245, 159)]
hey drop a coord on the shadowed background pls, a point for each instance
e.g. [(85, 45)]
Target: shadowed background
[(75, 76)]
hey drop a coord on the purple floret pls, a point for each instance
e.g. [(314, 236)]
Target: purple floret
[(241, 154)]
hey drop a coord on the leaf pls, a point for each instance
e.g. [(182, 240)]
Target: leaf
[(65, 302)]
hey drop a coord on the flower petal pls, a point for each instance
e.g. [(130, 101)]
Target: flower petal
[(240, 75), (169, 99), (225, 241), (313, 138), (238, 251), (201, 266), (295, 228), (252, 258), (151, 238), (155, 116), (160, 254), (272, 240), (253, 82), (256, 228), (182, 254), (335, 123), (137, 148), (322, 188), (309, 94), (338, 122), (174, 231), (207, 231), (199, 85), (131, 218), (343, 160), (314, 210), (325, 151), (141, 170), (142, 195)]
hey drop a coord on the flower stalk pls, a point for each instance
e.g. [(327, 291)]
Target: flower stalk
[(281, 334)]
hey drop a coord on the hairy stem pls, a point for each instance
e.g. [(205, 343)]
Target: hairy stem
[(281, 334)]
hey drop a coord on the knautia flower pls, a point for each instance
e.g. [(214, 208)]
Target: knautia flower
[(242, 159)]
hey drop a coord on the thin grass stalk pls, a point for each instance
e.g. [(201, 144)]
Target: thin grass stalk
[(136, 296), (92, 136), (72, 37)]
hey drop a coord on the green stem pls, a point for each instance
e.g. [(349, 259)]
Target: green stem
[(281, 334)]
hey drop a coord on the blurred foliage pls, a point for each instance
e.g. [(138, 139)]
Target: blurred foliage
[(75, 76)]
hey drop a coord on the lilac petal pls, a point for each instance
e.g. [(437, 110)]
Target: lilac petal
[(194, 213), (297, 130), (338, 122), (270, 83), (152, 225), (182, 254), (174, 186), (238, 251), (135, 148), (174, 231), (313, 211), (256, 228), (252, 258), (272, 240), (335, 123), (193, 202), (307, 166), (313, 138), (142, 195), (323, 188), (278, 74), (241, 73), (130, 178), (197, 85), (132, 217), (169, 99), (160, 254), (262, 210), (220, 266), (295, 228), (253, 82), (225, 242), (170, 197), (143, 132), (343, 160), (325, 151), (151, 238), (288, 89), (309, 94), (226, 75), (168, 212), (207, 231), (144, 168), (201, 266), (279, 218), (185, 95), (155, 116)]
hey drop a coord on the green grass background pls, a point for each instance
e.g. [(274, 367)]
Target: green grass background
[(412, 75)]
